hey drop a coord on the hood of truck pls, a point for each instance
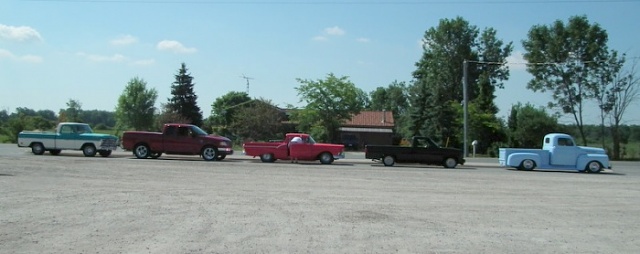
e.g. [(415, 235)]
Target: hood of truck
[(592, 150), (216, 138)]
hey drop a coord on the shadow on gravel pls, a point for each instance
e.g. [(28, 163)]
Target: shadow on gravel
[(605, 172), (6, 175), (424, 166)]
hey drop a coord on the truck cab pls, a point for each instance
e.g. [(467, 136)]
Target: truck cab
[(559, 151)]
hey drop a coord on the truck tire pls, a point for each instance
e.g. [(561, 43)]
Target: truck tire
[(527, 165), (388, 160), (594, 167), (104, 153), (209, 153), (37, 148), (267, 157), (89, 150), (450, 162), (141, 151), (55, 151), (326, 158)]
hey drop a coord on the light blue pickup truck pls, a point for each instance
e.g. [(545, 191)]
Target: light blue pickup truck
[(559, 152), (69, 136)]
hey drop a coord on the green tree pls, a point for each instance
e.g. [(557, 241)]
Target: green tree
[(99, 119), (528, 124), (437, 87), (72, 112), (394, 98), (492, 53), (135, 107), (623, 92), (184, 100), (224, 109), (330, 102), (483, 126), (573, 56), (259, 120)]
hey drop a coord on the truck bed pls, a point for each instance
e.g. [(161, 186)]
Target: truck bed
[(260, 148)]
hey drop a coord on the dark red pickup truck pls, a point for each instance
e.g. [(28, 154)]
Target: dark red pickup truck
[(184, 139)]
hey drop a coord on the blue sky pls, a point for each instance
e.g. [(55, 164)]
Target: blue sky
[(53, 51)]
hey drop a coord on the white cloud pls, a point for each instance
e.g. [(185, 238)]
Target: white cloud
[(124, 40), (516, 61), (144, 62), (25, 58), (19, 33), (175, 47), (31, 59), (329, 31), (102, 58), (363, 40), (336, 31), (319, 38), (5, 54)]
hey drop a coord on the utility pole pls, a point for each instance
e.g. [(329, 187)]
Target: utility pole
[(465, 101), (247, 78)]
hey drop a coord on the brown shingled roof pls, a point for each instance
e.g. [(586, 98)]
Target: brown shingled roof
[(372, 119)]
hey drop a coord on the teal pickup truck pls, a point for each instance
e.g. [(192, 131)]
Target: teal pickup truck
[(69, 136)]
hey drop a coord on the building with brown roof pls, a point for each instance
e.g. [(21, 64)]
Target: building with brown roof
[(368, 127)]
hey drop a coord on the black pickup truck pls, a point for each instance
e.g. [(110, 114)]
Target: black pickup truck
[(422, 150)]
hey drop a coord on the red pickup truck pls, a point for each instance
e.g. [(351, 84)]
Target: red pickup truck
[(184, 139), (308, 150)]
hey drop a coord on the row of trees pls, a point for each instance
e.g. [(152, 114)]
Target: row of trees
[(571, 60)]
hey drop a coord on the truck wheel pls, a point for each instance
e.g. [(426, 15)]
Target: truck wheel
[(450, 163), (267, 157), (89, 150), (37, 148), (55, 151), (594, 167), (388, 160), (209, 153), (326, 158), (527, 165), (105, 153), (155, 155), (141, 151)]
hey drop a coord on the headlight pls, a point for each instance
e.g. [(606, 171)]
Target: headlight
[(223, 143)]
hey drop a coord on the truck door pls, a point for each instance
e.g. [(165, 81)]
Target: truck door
[(67, 138), (564, 153), (180, 141), (424, 151), (302, 151)]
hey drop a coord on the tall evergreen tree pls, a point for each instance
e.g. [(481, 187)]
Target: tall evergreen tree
[(184, 100)]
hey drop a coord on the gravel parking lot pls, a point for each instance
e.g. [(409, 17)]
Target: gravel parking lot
[(181, 204)]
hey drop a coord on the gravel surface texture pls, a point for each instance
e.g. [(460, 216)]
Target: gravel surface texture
[(182, 204)]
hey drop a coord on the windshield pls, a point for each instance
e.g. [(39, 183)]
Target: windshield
[(311, 140), (198, 131)]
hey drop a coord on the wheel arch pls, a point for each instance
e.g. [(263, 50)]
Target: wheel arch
[(515, 159), (585, 159)]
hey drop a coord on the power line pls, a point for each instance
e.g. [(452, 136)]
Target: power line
[(369, 2), (536, 63)]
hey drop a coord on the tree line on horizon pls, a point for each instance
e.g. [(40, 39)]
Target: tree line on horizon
[(570, 60)]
